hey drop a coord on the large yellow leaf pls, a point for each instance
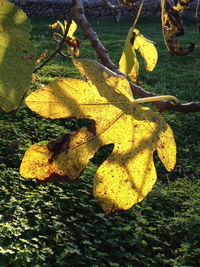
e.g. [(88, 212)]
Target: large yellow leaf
[(128, 174), (128, 63), (16, 56)]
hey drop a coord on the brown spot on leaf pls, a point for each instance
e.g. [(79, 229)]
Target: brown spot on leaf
[(59, 145)]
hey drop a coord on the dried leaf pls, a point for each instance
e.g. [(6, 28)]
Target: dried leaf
[(173, 27), (73, 45), (71, 41), (42, 56), (127, 2), (128, 63), (16, 56), (128, 174), (181, 5)]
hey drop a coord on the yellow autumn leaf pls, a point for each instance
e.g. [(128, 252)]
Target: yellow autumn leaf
[(72, 29), (72, 42), (172, 26), (128, 63), (61, 159), (128, 174)]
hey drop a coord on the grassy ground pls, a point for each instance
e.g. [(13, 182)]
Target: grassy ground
[(60, 224)]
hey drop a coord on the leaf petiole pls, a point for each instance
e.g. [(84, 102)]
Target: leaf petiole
[(156, 98)]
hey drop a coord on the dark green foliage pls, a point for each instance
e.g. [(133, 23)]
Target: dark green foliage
[(60, 224)]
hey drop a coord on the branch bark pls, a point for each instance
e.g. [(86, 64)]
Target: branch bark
[(78, 12)]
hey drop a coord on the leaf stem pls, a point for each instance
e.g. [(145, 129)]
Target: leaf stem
[(156, 98), (138, 13)]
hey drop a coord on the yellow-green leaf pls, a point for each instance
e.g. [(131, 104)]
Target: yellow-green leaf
[(128, 63), (129, 173), (16, 56)]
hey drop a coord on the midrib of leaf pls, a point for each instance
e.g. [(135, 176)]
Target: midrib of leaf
[(100, 133)]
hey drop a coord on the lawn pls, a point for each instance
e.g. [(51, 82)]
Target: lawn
[(60, 224)]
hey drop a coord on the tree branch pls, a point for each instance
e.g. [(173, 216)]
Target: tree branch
[(78, 12)]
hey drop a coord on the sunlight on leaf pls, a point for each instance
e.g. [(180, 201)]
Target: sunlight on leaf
[(62, 159), (128, 63), (16, 56), (129, 173)]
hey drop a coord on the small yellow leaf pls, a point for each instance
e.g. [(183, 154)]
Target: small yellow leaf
[(72, 29), (71, 41), (54, 25), (147, 50), (127, 176), (128, 63)]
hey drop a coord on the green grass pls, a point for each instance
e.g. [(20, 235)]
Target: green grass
[(60, 224)]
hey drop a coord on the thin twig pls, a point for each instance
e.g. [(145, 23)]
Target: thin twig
[(69, 20), (162, 105), (138, 13)]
